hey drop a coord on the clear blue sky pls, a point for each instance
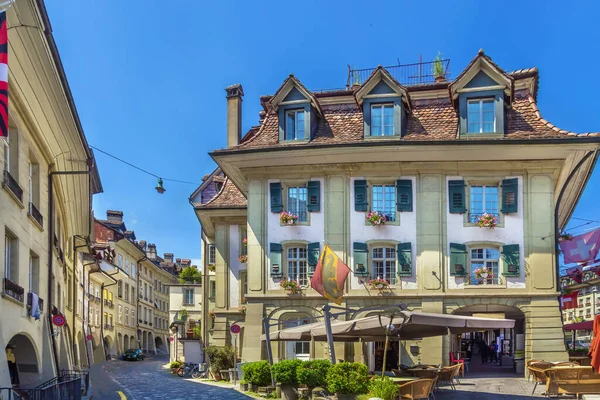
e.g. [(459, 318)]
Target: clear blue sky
[(148, 77)]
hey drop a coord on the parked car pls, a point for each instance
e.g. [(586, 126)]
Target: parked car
[(133, 355)]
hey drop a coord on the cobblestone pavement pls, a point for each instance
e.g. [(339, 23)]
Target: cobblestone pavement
[(146, 380), (491, 387)]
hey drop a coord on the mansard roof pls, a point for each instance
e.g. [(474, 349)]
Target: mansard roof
[(228, 197)]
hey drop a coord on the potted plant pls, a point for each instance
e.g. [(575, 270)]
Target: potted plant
[(257, 374), (197, 331), (383, 388), (438, 68), (243, 258), (483, 274), (212, 314), (212, 267), (486, 220), (183, 314), (221, 359), (175, 365), (290, 285), (245, 242), (347, 379), (242, 309), (284, 373), (313, 374), (288, 218), (379, 283), (244, 385), (376, 218)]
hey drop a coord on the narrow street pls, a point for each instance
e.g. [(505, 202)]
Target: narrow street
[(146, 380)]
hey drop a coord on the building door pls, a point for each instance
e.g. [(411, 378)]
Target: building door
[(297, 350)]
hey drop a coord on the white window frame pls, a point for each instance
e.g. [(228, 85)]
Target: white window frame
[(212, 254), (472, 217), (187, 300), (480, 102), (382, 107), (295, 270), (391, 216), (30, 182), (486, 261), (384, 259), (6, 147), (301, 213), (292, 347), (295, 133), (120, 261)]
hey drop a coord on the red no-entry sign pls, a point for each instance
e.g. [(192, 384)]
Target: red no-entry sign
[(58, 320), (235, 329)]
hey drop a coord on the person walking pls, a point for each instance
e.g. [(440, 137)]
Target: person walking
[(484, 350)]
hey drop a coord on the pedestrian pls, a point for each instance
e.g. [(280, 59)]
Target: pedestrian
[(484, 350), (12, 366), (494, 352), (469, 349)]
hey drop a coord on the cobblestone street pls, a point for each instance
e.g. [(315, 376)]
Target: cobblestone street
[(146, 380), (491, 387)]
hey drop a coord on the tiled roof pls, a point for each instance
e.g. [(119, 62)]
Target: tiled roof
[(229, 197)]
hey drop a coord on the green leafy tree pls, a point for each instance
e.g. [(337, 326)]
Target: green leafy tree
[(190, 274)]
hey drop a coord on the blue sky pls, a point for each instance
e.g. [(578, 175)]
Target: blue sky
[(148, 77)]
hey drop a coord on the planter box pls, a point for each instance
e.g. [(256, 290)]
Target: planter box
[(288, 392)]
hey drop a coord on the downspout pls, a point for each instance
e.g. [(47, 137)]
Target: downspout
[(102, 287), (74, 289), (137, 300), (86, 312), (205, 303)]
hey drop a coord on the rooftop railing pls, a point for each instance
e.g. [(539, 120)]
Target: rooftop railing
[(407, 74)]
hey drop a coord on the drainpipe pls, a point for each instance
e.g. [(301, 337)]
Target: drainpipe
[(86, 311), (137, 297), (50, 251), (102, 287), (74, 291), (205, 288)]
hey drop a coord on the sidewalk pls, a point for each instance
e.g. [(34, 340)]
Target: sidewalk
[(484, 386)]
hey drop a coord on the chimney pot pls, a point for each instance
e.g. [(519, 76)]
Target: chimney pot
[(114, 216), (168, 257), (261, 115), (151, 251), (234, 114)]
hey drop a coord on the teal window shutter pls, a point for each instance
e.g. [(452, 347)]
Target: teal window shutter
[(314, 251), (360, 195), (276, 198), (456, 197), (404, 255), (276, 251), (510, 195), (404, 195), (313, 189), (458, 259), (511, 258), (361, 252)]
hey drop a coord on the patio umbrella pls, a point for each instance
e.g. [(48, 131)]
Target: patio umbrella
[(594, 352)]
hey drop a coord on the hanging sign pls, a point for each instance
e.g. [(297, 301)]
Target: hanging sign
[(235, 329), (58, 320)]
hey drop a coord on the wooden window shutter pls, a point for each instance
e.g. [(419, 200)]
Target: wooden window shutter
[(313, 189), (360, 195), (458, 259), (404, 195), (361, 252), (314, 251), (456, 197), (276, 251), (511, 260), (404, 259), (276, 197), (510, 195)]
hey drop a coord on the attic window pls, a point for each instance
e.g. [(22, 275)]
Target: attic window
[(294, 124), (382, 120), (481, 116), (218, 186)]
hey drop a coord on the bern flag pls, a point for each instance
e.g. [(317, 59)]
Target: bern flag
[(569, 301), (581, 248), (3, 76), (330, 276)]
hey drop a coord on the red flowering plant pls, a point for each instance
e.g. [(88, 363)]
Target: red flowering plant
[(242, 309), (486, 220), (243, 258), (288, 218), (378, 283), (565, 236), (376, 218), (211, 314), (291, 285)]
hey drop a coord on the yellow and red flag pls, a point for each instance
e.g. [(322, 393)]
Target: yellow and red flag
[(330, 276)]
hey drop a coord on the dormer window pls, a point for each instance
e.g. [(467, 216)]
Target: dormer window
[(481, 116), (294, 124), (382, 119)]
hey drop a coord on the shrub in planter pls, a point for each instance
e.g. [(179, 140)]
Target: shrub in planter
[(313, 373), (257, 373), (220, 358), (384, 388), (175, 365), (348, 378), (284, 371)]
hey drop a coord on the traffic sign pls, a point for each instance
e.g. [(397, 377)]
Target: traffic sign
[(58, 320), (235, 329)]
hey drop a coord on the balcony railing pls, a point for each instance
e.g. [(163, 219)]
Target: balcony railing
[(13, 290), (140, 320), (406, 74), (30, 304), (150, 324), (108, 303), (97, 299), (109, 327), (35, 214), (11, 184)]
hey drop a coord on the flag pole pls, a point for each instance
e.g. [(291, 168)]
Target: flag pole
[(327, 314)]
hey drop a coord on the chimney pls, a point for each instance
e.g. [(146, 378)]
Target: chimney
[(151, 252), (234, 114), (168, 257), (142, 244), (115, 217)]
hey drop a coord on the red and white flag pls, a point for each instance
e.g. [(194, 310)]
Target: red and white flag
[(568, 301), (581, 248), (3, 76)]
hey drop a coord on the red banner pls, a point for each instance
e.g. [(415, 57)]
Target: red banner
[(569, 301)]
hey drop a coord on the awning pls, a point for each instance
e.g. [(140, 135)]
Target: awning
[(580, 326)]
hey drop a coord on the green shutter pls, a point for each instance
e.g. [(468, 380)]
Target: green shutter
[(458, 259), (276, 251), (404, 195), (314, 196), (314, 251), (360, 195), (510, 195), (276, 200), (404, 259), (511, 258), (361, 252), (456, 197)]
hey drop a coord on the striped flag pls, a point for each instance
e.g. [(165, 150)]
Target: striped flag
[(3, 76)]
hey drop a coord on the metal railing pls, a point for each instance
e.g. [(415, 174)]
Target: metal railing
[(108, 303), (109, 327), (70, 374), (62, 388), (406, 74), (11, 184), (13, 290), (35, 214)]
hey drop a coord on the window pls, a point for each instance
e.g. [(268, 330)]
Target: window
[(294, 124), (110, 296), (296, 202), (105, 294), (243, 241), (213, 289), (105, 318), (11, 257), (383, 199), (297, 267), (34, 183), (120, 289), (127, 266), (6, 148), (97, 291), (120, 261), (382, 120), (481, 116), (485, 257), (297, 350), (132, 317), (483, 199), (384, 263), (126, 292), (120, 314), (34, 273), (212, 254), (11, 153), (133, 269), (110, 319), (126, 316)]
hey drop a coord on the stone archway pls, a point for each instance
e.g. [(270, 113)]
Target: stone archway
[(292, 316), (133, 343), (126, 343), (120, 348), (159, 345), (151, 346), (81, 351), (144, 341), (109, 347), (26, 367)]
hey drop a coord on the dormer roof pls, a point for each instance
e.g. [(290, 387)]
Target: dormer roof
[(378, 75), (287, 87)]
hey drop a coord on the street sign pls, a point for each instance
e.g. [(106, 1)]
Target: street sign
[(235, 329), (58, 320), (89, 337)]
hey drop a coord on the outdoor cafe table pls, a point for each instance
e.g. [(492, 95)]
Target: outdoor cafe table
[(398, 379)]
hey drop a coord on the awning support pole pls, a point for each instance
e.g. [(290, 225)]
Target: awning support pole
[(327, 315), (269, 350)]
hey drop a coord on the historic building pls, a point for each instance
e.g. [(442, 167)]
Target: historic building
[(462, 174), (48, 179)]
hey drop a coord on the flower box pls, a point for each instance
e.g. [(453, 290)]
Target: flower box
[(243, 259), (486, 220), (287, 218), (376, 218), (379, 284), (211, 268), (290, 285), (483, 274)]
